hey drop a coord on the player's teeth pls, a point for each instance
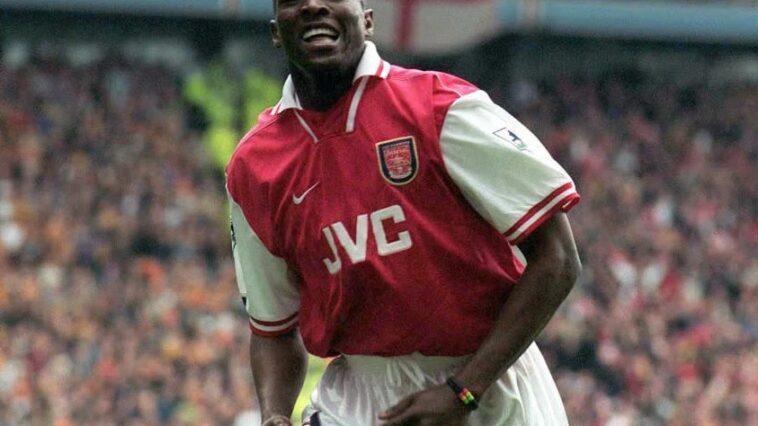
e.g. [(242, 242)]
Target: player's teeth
[(318, 32)]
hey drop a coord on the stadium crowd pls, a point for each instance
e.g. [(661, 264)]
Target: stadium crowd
[(663, 326), (117, 299), (118, 304)]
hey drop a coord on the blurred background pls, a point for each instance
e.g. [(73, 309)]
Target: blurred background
[(118, 304)]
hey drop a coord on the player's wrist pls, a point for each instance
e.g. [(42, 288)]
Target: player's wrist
[(463, 394), (476, 383)]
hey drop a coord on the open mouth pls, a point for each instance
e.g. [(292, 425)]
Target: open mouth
[(319, 34)]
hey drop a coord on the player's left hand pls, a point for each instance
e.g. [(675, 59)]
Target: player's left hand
[(436, 406)]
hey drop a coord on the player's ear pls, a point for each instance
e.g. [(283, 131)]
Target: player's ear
[(368, 22), (276, 38)]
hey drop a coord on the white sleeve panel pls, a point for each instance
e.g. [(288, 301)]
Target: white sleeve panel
[(503, 170), (272, 297)]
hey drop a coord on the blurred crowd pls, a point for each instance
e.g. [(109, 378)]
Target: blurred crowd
[(118, 304), (117, 297), (663, 326)]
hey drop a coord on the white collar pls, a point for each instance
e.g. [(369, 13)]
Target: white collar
[(371, 64)]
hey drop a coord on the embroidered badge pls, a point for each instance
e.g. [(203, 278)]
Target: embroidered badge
[(398, 160), (234, 236)]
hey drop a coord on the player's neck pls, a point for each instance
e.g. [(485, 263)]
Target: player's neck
[(319, 91)]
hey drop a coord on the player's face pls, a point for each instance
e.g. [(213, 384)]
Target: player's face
[(322, 35)]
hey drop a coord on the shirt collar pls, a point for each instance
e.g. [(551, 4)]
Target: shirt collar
[(371, 64)]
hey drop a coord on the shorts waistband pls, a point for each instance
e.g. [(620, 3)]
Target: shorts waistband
[(369, 364)]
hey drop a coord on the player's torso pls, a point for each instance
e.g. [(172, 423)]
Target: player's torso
[(373, 225), (347, 195)]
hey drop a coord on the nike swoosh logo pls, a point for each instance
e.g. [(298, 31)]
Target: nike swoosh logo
[(297, 200)]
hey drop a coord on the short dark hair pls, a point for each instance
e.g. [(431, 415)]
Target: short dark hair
[(273, 4)]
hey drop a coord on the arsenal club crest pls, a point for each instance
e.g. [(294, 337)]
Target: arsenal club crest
[(398, 160)]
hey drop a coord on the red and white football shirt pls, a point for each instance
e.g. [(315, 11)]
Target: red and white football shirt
[(386, 225)]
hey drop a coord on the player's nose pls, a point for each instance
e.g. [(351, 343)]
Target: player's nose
[(314, 7)]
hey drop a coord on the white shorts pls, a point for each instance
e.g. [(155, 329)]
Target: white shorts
[(355, 389)]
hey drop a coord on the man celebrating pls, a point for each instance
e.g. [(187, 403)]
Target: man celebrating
[(379, 216)]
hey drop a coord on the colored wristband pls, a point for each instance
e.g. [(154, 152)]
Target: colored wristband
[(464, 395)]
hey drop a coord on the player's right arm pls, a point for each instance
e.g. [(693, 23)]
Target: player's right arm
[(271, 297), (279, 364)]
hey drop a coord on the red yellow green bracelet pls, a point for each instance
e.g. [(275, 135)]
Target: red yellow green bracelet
[(464, 395)]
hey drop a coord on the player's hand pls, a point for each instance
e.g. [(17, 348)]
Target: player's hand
[(277, 420), (436, 406)]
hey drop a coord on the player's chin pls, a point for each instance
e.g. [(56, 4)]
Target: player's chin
[(324, 63)]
